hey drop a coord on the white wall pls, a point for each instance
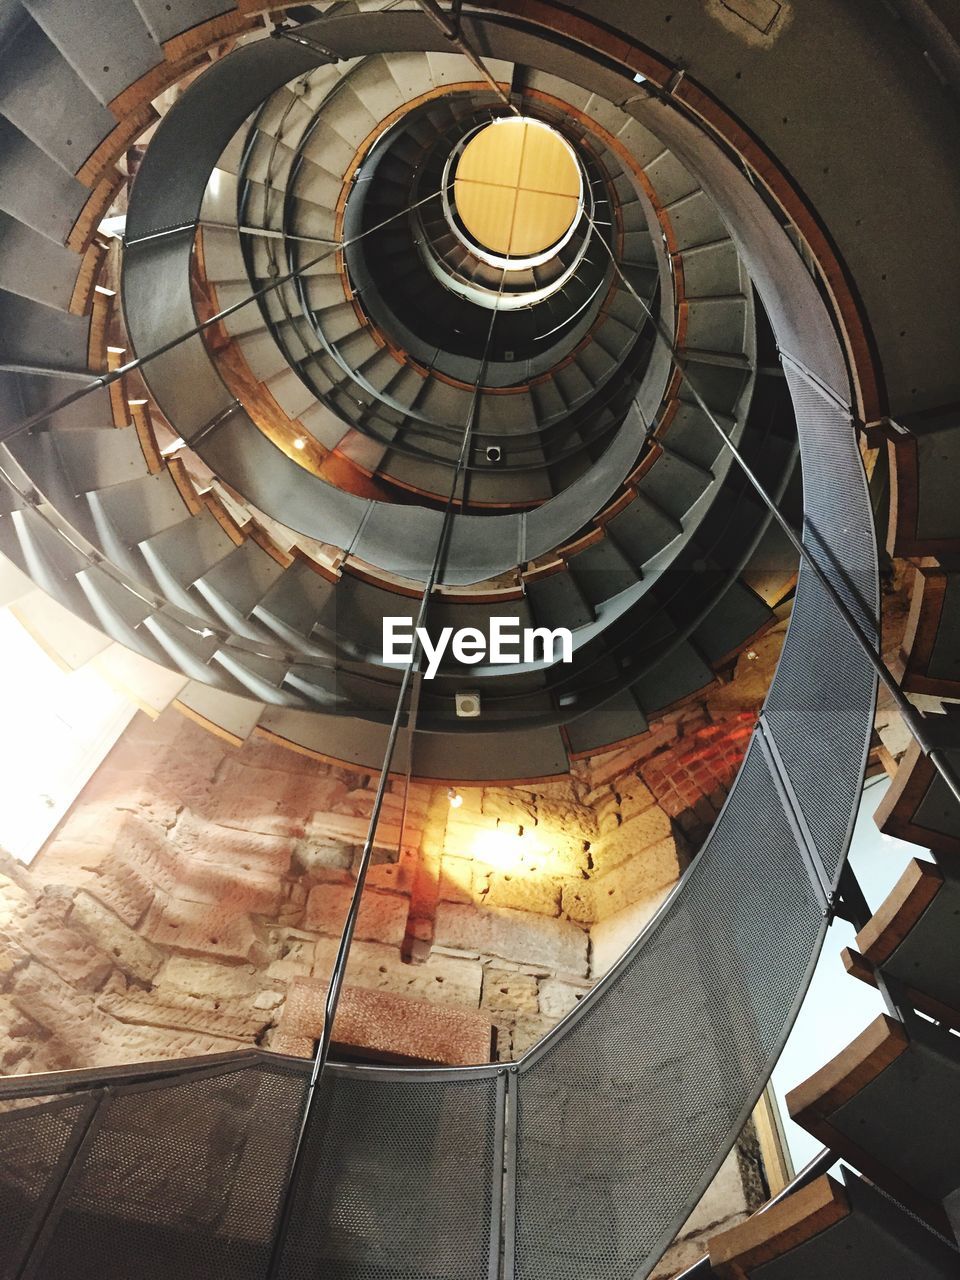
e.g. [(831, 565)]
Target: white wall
[(55, 728)]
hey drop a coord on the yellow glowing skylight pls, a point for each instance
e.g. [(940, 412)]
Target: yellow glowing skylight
[(517, 187)]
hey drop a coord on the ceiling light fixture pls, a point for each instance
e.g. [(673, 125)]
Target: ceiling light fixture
[(455, 798)]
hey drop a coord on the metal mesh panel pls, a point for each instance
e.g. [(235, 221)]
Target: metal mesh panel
[(820, 708), (34, 1142), (623, 1116), (398, 1180), (182, 1179)]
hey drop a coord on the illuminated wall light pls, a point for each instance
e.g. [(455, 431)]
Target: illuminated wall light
[(300, 443), (455, 798), (117, 351), (107, 293), (133, 402), (752, 655), (505, 849)]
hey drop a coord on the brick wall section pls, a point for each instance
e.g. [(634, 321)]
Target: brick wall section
[(691, 779)]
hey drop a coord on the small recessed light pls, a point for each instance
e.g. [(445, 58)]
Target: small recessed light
[(299, 443), (455, 798), (752, 655)]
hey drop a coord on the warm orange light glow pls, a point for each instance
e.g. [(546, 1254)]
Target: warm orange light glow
[(505, 849)]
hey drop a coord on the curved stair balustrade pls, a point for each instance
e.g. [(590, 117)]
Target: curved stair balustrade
[(606, 1140), (589, 1153)]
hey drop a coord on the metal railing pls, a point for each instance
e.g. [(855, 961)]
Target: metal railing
[(586, 1155)]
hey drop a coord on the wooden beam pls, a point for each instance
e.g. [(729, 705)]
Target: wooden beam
[(900, 911), (845, 1075), (776, 1231)]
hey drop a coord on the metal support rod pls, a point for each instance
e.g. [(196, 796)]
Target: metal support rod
[(454, 34), (914, 719), (63, 1178), (338, 973)]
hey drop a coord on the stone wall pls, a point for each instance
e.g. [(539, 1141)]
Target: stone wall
[(192, 900), (193, 897)]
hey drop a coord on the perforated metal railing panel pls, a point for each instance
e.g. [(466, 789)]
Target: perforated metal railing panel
[(183, 1177), (655, 1072), (34, 1143), (399, 1180), (820, 708), (178, 1178)]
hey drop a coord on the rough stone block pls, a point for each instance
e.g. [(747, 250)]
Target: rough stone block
[(383, 1023), (526, 1031), (236, 890), (291, 952), (206, 978), (559, 815), (382, 918), (322, 858), (635, 797), (558, 998), (507, 992), (198, 928), (127, 950), (392, 877), (524, 893), (330, 825), (375, 966), (199, 839), (512, 806), (512, 935), (93, 833), (42, 934), (182, 1012), (630, 839), (266, 815), (456, 879), (125, 888), (633, 881)]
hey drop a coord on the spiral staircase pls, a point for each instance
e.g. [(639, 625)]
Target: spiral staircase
[(309, 380)]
